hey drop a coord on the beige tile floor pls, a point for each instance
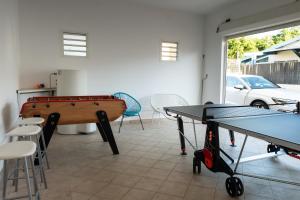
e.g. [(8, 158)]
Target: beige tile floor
[(150, 167)]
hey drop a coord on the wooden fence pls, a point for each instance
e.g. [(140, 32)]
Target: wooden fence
[(280, 73)]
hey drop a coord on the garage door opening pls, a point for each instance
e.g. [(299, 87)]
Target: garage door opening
[(264, 68)]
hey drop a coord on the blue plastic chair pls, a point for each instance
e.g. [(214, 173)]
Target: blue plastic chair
[(133, 107)]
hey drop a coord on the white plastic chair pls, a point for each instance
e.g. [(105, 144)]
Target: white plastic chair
[(159, 101)]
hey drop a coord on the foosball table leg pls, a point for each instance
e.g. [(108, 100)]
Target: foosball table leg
[(106, 128), (48, 131), (49, 128), (101, 131)]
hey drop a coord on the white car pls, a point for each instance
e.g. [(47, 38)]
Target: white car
[(258, 91)]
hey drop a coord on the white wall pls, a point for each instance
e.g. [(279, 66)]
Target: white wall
[(9, 63), (123, 46), (213, 41), (284, 56)]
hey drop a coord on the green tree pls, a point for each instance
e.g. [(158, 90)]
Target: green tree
[(234, 48), (286, 34), (237, 47), (264, 43)]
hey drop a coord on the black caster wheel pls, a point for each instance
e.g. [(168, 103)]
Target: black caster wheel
[(234, 186), (196, 166)]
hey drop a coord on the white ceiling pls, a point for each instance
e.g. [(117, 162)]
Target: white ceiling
[(195, 6)]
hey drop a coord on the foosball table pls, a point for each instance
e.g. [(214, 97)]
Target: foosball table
[(65, 110)]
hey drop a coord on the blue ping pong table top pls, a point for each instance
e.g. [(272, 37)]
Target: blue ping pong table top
[(269, 125), (279, 129)]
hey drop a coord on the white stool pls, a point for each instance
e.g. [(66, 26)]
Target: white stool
[(19, 150), (39, 122), (25, 133), (31, 121)]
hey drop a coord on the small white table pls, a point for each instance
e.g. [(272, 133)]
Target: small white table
[(23, 94)]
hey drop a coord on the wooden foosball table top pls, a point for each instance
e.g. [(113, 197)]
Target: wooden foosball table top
[(74, 109)]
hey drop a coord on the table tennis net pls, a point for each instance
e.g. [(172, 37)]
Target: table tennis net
[(239, 111)]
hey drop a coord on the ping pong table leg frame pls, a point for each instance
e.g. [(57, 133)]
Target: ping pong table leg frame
[(232, 138), (181, 135), (211, 158)]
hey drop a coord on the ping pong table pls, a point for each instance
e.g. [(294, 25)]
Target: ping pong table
[(280, 129)]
